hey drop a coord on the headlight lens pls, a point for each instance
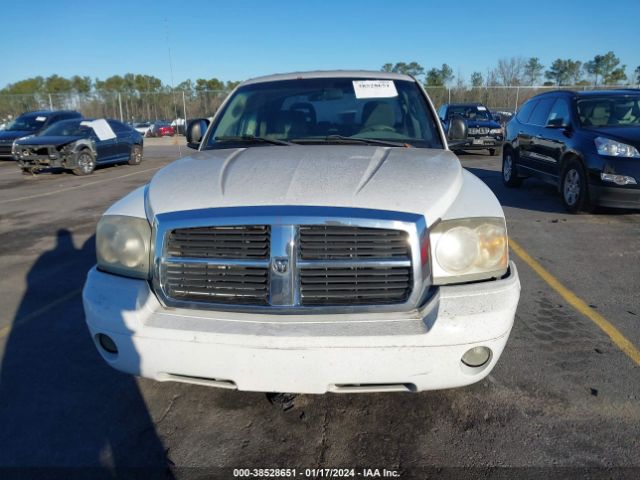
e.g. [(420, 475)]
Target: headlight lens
[(611, 148), (469, 249), (123, 245), (496, 131)]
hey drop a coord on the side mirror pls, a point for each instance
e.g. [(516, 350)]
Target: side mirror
[(195, 132), (458, 131)]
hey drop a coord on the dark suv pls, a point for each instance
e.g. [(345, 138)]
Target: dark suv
[(586, 143), (30, 123), (484, 131)]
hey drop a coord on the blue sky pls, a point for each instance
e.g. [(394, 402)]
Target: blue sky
[(235, 40)]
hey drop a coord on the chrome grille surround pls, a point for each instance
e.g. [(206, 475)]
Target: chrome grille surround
[(285, 264)]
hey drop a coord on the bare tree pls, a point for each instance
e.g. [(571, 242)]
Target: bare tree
[(510, 70)]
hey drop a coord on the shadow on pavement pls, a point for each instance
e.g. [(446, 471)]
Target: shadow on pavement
[(60, 404), (532, 195)]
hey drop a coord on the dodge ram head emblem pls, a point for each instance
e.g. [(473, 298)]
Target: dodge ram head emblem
[(280, 264)]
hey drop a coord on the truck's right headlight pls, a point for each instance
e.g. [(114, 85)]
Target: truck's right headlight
[(470, 249), (123, 245)]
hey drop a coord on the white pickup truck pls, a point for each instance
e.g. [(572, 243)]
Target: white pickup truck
[(322, 238)]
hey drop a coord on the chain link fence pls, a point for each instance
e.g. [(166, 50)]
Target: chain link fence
[(173, 104), (125, 106), (499, 98)]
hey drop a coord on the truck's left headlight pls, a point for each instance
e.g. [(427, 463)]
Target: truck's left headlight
[(123, 245), (469, 249)]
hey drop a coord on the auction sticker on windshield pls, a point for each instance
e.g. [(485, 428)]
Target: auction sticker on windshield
[(374, 88), (103, 129)]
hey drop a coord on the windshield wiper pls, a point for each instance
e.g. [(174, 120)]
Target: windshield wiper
[(251, 139), (349, 140)]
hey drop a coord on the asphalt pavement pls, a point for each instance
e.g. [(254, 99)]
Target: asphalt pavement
[(563, 396)]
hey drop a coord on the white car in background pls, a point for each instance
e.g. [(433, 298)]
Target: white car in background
[(144, 128), (323, 238)]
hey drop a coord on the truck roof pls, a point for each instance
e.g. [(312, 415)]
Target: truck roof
[(330, 74)]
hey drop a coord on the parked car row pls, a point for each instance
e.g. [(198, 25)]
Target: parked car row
[(587, 144), (155, 129), (30, 123), (43, 139)]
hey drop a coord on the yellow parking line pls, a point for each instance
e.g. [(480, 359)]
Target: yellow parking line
[(576, 302), (5, 330), (74, 187)]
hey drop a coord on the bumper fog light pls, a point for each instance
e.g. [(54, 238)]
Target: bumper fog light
[(476, 357), (618, 179), (107, 343)]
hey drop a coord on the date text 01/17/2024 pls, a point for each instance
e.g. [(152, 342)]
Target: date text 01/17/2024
[(314, 473)]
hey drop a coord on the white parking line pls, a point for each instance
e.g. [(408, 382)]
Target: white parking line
[(75, 187)]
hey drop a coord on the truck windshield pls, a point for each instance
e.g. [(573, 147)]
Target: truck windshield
[(326, 110), (473, 112)]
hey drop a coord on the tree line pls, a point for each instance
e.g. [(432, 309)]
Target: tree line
[(129, 83), (603, 69)]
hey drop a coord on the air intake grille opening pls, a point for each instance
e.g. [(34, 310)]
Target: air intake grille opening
[(236, 242), (228, 284), (322, 242), (354, 285)]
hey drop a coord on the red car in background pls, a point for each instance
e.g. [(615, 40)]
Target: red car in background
[(162, 129)]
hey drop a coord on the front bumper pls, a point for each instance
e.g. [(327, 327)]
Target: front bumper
[(615, 197), (409, 351), (483, 143)]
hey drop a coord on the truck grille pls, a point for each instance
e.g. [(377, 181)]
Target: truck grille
[(478, 131), (321, 242), (217, 283), (310, 261), (354, 285), (220, 242), (5, 150)]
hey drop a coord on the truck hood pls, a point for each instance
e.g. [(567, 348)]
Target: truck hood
[(8, 136), (412, 180)]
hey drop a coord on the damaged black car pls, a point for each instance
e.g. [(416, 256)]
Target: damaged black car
[(79, 145)]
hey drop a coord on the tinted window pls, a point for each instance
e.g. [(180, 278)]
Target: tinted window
[(28, 122), (612, 111), (525, 111), (559, 111), (470, 112), (541, 112), (67, 128)]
